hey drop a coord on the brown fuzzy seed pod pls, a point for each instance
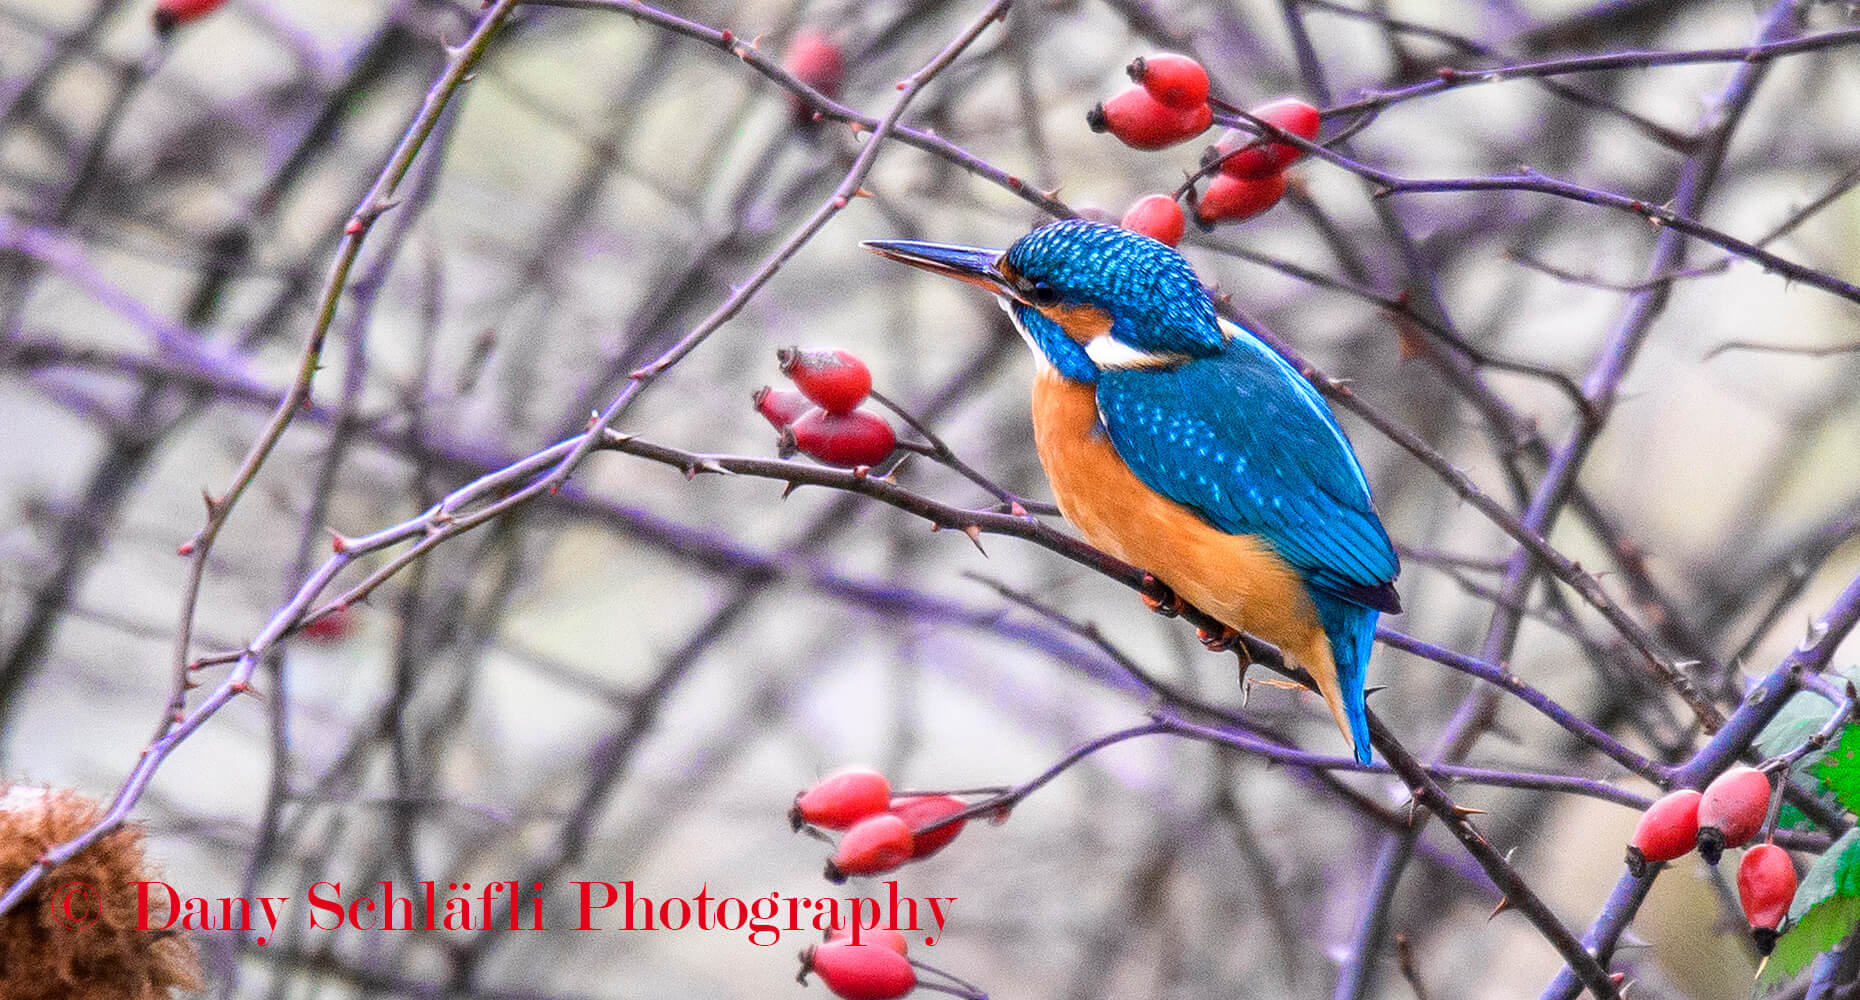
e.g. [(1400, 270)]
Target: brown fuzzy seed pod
[(103, 957)]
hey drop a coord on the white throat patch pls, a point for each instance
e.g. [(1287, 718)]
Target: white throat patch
[(1111, 354)]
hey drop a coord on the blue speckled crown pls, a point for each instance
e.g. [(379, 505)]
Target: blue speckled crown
[(1155, 301)]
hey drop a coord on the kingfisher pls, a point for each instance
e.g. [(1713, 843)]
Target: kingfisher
[(1185, 445)]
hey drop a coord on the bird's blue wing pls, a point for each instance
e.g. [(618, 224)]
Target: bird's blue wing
[(1247, 443)]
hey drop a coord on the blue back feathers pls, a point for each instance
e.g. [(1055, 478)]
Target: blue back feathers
[(1236, 439)]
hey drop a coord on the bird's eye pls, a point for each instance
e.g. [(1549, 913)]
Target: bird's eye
[(1042, 294)]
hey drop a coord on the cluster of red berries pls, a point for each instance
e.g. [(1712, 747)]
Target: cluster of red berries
[(882, 833), (878, 967), (1170, 105), (1729, 813), (1252, 177), (813, 59), (823, 419)]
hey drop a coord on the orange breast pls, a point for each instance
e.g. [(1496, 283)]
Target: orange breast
[(1236, 578)]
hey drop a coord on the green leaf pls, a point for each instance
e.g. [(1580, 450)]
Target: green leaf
[(1835, 873), (1826, 909), (1839, 770), (1800, 718), (1822, 928), (1794, 723)]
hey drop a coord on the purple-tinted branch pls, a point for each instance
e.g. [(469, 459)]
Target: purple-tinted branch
[(939, 451), (828, 108), (1452, 79), (1506, 680), (1468, 46), (1279, 753), (1802, 350), (1581, 963), (996, 805), (1659, 216), (1656, 215)]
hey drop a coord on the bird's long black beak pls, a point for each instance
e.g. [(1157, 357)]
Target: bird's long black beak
[(975, 265)]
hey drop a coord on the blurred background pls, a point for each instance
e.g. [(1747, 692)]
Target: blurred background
[(632, 681)]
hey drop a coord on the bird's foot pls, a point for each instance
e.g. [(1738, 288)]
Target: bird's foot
[(1217, 643), (1159, 598)]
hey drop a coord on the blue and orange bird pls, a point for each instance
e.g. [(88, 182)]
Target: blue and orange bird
[(1185, 445)]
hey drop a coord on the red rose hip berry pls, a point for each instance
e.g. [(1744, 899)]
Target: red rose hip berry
[(1261, 158), (882, 937), (1668, 830), (851, 439), (841, 799), (860, 971), (1732, 810), (1158, 217), (1765, 887), (919, 811), (837, 380), (1231, 199), (814, 60), (1143, 122), (333, 627), (169, 13), (780, 407), (874, 845), (1175, 80)]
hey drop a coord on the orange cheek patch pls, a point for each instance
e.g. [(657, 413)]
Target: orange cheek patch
[(1083, 324)]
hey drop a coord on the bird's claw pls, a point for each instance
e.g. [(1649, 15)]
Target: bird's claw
[(1159, 598), (1217, 643)]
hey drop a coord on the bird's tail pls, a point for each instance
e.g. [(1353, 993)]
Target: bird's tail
[(1352, 632)]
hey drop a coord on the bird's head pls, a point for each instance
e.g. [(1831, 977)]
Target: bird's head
[(1090, 297)]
